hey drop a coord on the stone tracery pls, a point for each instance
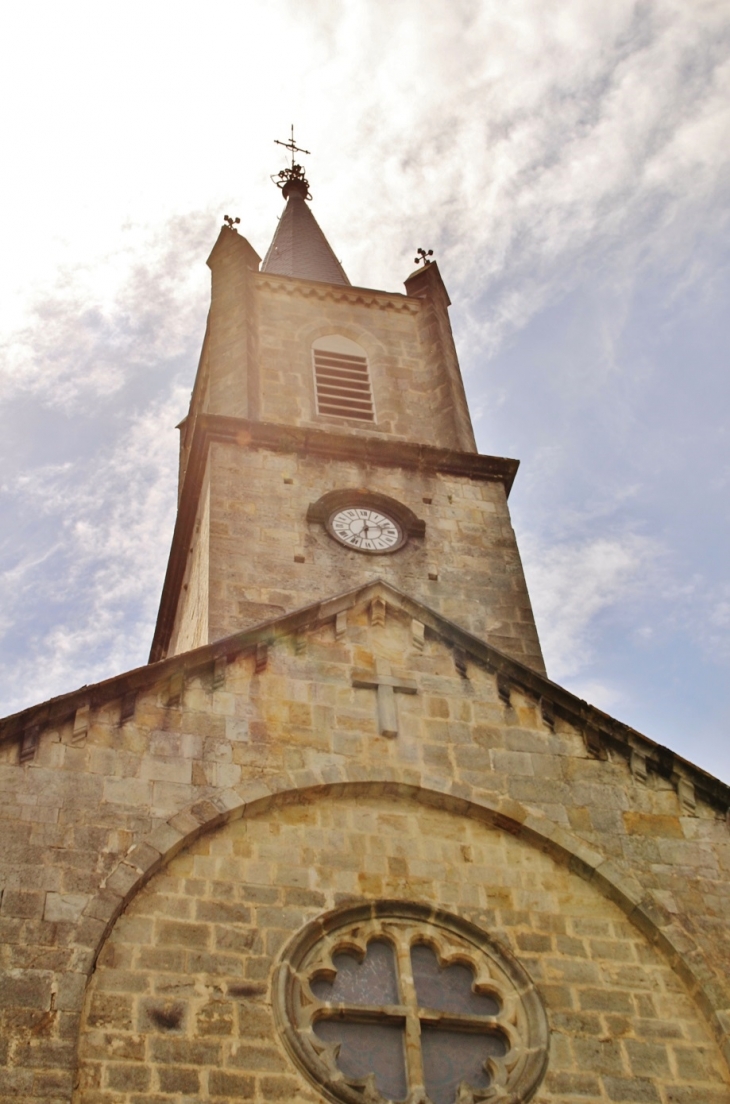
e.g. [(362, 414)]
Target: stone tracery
[(394, 1001)]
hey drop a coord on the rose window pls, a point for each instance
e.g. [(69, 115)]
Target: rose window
[(395, 1002)]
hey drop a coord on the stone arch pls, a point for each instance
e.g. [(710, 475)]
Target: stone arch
[(373, 347), (337, 342), (343, 385), (146, 858), (327, 327)]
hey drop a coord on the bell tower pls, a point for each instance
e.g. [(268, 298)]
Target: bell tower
[(346, 844), (329, 443)]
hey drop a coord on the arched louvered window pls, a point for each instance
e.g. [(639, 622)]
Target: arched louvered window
[(342, 379)]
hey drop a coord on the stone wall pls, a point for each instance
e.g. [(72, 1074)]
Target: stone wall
[(191, 628), (257, 364), (266, 558), (609, 883), (181, 1000), (288, 325), (258, 355)]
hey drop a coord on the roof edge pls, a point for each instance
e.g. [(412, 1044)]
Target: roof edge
[(593, 722), (299, 242)]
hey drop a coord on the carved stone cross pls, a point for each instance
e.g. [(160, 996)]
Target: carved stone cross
[(386, 684)]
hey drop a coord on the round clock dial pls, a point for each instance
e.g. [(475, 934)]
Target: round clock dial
[(366, 529)]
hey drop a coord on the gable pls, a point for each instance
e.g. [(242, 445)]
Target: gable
[(292, 712)]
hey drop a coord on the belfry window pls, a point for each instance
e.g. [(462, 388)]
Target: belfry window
[(342, 379)]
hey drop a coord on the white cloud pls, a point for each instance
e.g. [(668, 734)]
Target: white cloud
[(606, 696), (83, 558), (572, 584), (99, 323), (103, 572), (703, 612), (507, 135)]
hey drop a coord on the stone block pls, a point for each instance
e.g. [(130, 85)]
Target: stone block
[(110, 1011), (25, 989), (166, 770), (105, 905), (184, 1052), (564, 1084), (635, 1089), (223, 1083), (123, 879), (71, 990), (278, 1088), (180, 934), (605, 1000), (179, 1079), (186, 824), (127, 791), (651, 824), (599, 1056), (216, 1018), (64, 907), (22, 904), (127, 1077), (222, 912)]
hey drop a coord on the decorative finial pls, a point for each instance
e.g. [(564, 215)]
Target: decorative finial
[(231, 223), (292, 179), (423, 255)]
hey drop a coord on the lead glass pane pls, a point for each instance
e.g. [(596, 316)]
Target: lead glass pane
[(448, 988), (369, 1048), (372, 981), (450, 1057)]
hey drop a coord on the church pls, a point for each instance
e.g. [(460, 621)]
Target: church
[(341, 839)]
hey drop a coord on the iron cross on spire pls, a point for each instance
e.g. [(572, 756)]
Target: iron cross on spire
[(294, 175), (292, 147)]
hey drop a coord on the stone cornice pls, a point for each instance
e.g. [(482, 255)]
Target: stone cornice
[(600, 730), (312, 289), (311, 443)]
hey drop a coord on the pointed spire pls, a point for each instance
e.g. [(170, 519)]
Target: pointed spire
[(299, 248)]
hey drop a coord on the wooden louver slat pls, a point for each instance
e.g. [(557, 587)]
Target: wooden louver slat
[(343, 385)]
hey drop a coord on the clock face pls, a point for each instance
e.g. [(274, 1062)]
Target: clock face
[(366, 529)]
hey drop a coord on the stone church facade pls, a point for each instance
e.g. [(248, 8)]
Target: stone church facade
[(341, 839)]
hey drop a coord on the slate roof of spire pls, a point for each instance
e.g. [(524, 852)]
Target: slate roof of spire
[(299, 248)]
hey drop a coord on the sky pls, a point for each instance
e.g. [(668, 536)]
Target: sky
[(568, 164)]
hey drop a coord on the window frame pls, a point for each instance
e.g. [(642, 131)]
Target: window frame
[(521, 1020), (319, 346)]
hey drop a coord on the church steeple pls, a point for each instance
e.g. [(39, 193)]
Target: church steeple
[(299, 247), (329, 443)]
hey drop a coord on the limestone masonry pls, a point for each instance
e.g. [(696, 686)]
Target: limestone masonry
[(223, 873)]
